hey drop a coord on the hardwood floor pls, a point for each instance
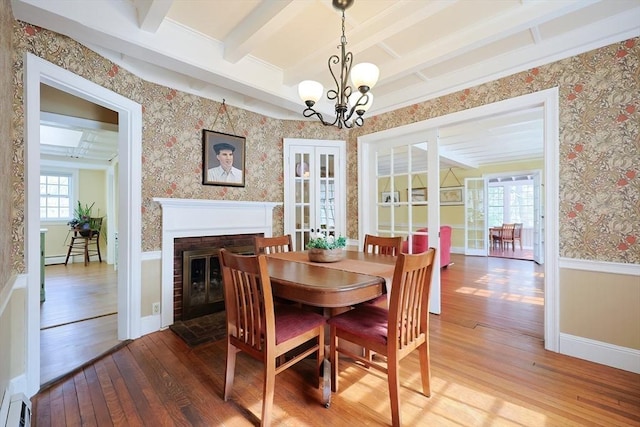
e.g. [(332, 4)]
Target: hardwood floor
[(489, 368), (517, 253), (78, 319)]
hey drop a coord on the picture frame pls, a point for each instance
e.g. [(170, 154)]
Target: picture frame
[(223, 159), (388, 197), (452, 196), (419, 194)]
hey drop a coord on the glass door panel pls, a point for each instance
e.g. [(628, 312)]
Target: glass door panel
[(314, 188), (475, 219)]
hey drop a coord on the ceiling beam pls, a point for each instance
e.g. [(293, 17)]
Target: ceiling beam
[(258, 26), (361, 36), (523, 18), (456, 159), (151, 13)]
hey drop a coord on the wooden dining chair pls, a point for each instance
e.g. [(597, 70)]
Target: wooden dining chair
[(394, 332), (382, 245), (270, 245), (506, 236), (495, 233), (261, 330), (517, 234)]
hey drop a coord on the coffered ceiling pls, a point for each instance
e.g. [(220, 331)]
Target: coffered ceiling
[(253, 53)]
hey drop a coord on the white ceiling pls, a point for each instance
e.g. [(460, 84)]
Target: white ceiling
[(78, 140), (253, 53)]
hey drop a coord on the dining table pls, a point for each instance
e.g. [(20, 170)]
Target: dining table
[(357, 278), (332, 286)]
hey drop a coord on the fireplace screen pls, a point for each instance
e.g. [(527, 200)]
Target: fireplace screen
[(202, 281)]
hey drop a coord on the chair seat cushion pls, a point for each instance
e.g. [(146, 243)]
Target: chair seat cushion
[(292, 321), (366, 321)]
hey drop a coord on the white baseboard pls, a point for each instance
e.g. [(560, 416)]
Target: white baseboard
[(52, 260), (16, 385), (150, 324), (624, 358)]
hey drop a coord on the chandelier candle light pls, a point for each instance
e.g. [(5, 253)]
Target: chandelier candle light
[(363, 77)]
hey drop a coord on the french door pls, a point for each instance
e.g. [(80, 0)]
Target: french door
[(315, 189)]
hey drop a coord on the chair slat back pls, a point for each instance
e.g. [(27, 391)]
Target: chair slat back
[(517, 230), (382, 245), (507, 231), (409, 300), (269, 245), (248, 301)]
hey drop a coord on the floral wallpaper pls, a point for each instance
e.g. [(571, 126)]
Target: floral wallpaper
[(6, 91), (599, 184)]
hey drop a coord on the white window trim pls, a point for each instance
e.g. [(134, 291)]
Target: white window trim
[(73, 197)]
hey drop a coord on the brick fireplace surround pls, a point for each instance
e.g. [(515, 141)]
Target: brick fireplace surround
[(204, 218), (183, 244)]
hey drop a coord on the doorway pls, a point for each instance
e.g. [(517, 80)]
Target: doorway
[(78, 310), (511, 199), (547, 101), (38, 71)]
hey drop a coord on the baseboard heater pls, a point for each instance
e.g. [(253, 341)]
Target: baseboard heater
[(19, 414)]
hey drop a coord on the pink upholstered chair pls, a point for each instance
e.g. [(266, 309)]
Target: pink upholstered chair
[(261, 330), (420, 243)]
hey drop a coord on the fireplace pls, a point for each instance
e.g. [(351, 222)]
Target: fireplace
[(206, 219), (198, 283)]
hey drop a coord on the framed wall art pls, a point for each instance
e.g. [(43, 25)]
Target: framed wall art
[(223, 159), (452, 195), (390, 197), (419, 194)]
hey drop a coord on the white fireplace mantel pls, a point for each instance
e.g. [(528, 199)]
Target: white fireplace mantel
[(200, 217)]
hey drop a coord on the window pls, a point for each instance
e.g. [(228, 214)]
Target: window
[(511, 202), (495, 210), (55, 196)]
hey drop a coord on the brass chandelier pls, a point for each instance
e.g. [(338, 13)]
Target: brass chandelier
[(348, 102)]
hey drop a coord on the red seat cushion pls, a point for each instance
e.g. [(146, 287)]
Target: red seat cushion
[(365, 321), (292, 321)]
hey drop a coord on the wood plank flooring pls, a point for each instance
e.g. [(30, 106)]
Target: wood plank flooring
[(78, 319), (489, 368)]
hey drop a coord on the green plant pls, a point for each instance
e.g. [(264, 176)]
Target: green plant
[(319, 241), (81, 215)]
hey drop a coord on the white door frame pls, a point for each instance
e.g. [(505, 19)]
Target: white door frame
[(37, 71), (412, 133), (536, 175), (293, 145)]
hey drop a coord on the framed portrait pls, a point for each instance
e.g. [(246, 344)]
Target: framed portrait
[(223, 159), (390, 197), (419, 194), (452, 196)]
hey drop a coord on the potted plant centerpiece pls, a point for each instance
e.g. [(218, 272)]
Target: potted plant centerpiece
[(81, 221), (323, 248)]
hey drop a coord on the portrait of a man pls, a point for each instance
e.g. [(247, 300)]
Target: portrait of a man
[(223, 159)]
